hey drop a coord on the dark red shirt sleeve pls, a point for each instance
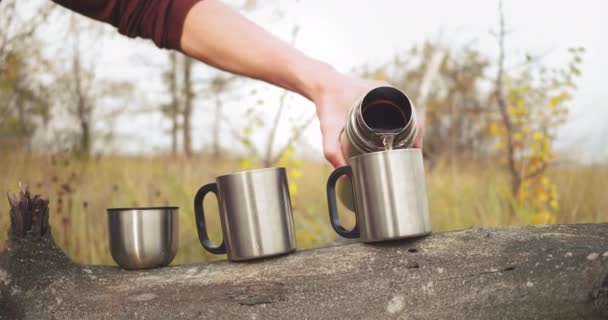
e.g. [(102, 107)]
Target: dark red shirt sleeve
[(162, 21)]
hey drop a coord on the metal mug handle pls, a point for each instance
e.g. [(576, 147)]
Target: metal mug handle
[(333, 205), (199, 215)]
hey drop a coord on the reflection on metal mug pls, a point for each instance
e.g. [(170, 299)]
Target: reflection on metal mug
[(255, 214), (142, 238), (390, 196)]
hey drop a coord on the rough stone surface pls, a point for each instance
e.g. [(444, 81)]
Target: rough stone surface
[(532, 272)]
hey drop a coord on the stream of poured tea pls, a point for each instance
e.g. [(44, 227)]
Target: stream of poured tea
[(388, 137), (387, 140)]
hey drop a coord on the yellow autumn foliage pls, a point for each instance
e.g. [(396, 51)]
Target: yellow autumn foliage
[(535, 109)]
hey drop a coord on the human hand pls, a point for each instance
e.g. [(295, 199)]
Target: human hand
[(333, 100)]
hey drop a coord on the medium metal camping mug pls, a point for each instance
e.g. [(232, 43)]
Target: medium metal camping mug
[(390, 196), (142, 238), (255, 214)]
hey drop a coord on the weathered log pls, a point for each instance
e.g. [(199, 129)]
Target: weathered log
[(527, 272)]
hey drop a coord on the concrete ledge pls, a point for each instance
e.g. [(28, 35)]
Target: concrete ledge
[(528, 272)]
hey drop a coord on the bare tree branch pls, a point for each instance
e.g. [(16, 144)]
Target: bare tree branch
[(502, 103), (297, 134), (273, 130), (239, 137), (537, 172)]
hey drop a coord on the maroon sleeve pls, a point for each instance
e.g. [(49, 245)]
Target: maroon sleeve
[(159, 20)]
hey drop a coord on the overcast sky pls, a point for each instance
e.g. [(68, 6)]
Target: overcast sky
[(351, 33)]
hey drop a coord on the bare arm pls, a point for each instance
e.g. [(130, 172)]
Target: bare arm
[(219, 36)]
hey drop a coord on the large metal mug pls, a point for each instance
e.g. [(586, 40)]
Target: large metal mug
[(142, 238), (389, 193), (255, 214)]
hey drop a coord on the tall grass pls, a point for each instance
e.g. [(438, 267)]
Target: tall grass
[(79, 192)]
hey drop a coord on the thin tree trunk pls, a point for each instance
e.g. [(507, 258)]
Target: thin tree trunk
[(430, 74), (23, 138), (85, 137), (268, 159), (187, 107), (174, 107), (516, 178), (82, 110), (217, 127)]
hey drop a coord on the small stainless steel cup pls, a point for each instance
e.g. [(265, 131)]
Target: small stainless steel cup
[(142, 238), (255, 214), (390, 196)]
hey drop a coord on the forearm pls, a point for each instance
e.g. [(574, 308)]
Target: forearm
[(219, 36)]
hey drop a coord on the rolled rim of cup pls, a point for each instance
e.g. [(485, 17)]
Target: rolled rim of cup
[(393, 151), (141, 209), (262, 170)]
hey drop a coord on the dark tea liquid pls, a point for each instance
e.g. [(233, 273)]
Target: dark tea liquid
[(386, 120)]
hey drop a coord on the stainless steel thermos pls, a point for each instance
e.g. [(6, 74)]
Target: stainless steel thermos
[(384, 112)]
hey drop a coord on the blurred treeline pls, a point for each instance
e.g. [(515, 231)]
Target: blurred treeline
[(489, 134)]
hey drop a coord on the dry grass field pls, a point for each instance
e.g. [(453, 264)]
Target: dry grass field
[(79, 192)]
